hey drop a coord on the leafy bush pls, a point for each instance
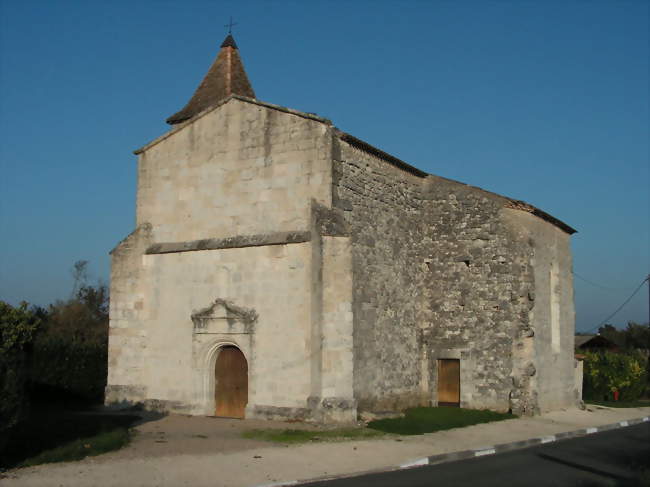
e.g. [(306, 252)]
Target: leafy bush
[(607, 372), (63, 367), (634, 336), (69, 361), (17, 328)]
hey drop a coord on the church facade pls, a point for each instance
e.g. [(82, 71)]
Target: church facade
[(282, 268)]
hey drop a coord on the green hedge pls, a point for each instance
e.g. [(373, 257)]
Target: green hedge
[(607, 372), (70, 367), (18, 326)]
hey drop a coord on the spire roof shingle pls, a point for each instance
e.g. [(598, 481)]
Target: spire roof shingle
[(225, 77)]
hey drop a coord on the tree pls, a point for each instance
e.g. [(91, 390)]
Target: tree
[(79, 275), (637, 336), (608, 372), (83, 318), (634, 337), (71, 350)]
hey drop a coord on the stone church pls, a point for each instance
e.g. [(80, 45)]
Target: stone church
[(283, 268)]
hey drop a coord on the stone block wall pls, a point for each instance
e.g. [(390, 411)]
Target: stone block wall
[(270, 281), (236, 206), (127, 340), (240, 169)]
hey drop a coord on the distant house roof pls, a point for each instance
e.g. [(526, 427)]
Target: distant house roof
[(585, 342)]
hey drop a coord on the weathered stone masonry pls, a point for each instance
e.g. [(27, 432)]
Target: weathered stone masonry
[(439, 274), (340, 274), (383, 207), (477, 291)]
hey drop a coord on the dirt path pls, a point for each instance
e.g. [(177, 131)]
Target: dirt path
[(195, 435)]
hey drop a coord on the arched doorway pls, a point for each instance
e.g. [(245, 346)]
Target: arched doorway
[(231, 383)]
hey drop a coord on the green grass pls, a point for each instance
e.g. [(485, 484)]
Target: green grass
[(304, 436), (81, 448), (620, 404), (418, 421)]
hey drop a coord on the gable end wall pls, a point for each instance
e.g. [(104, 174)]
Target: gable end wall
[(241, 169)]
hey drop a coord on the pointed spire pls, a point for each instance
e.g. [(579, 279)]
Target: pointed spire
[(225, 77), (229, 41)]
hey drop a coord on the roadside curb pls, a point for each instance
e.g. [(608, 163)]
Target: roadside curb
[(479, 452), (517, 445)]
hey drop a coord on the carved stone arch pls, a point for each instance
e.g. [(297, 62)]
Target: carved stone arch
[(210, 365), (221, 324), (224, 317), (212, 352)]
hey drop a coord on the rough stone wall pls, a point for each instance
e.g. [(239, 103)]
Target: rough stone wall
[(479, 291), (552, 318), (439, 273), (383, 208)]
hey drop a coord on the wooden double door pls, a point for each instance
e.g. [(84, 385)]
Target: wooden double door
[(449, 382), (231, 383)]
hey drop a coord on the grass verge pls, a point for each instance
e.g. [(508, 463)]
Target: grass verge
[(81, 448), (304, 436), (621, 404), (418, 421)]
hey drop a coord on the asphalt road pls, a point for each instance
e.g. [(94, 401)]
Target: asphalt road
[(611, 458)]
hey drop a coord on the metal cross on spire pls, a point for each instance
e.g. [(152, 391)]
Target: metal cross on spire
[(229, 25)]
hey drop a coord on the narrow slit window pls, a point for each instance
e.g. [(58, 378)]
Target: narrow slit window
[(555, 307)]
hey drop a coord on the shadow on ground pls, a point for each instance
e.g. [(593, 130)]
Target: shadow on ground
[(50, 425)]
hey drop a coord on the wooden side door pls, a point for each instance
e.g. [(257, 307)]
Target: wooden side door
[(449, 382), (231, 383)]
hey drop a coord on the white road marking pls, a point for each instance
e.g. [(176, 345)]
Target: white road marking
[(415, 463), (487, 451), (279, 484)]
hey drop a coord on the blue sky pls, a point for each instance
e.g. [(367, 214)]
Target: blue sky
[(545, 101)]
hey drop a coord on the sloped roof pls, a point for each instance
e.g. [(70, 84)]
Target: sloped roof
[(593, 341), (225, 77), (508, 202), (582, 339)]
